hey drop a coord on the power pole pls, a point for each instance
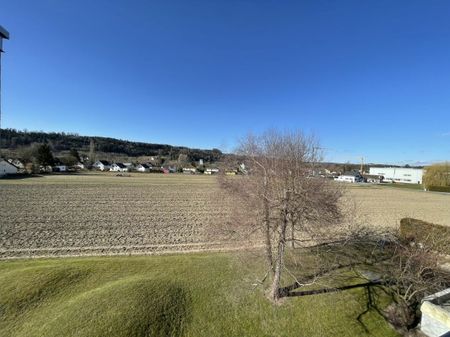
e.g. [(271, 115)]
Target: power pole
[(4, 34)]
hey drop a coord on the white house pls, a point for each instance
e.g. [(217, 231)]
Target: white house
[(129, 166), (80, 165), (143, 168), (118, 167), (7, 168), (398, 174), (350, 177), (189, 170), (59, 168), (211, 171), (102, 165), (17, 163)]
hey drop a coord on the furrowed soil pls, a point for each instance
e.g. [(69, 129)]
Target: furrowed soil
[(105, 214)]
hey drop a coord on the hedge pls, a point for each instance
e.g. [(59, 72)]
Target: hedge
[(439, 188), (423, 232)]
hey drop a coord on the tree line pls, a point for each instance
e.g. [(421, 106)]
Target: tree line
[(60, 141)]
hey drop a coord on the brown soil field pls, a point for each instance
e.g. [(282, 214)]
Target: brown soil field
[(103, 214), (385, 206), (108, 214)]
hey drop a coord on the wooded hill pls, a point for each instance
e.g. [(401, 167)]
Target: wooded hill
[(12, 140)]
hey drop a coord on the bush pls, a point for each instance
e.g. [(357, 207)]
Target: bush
[(437, 175), (439, 188), (426, 233)]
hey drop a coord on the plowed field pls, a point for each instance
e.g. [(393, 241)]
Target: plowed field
[(103, 214)]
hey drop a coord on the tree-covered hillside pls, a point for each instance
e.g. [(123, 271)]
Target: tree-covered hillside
[(59, 141)]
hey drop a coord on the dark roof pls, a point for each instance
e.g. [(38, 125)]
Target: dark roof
[(352, 173), (104, 162), (376, 176), (7, 162), (121, 165)]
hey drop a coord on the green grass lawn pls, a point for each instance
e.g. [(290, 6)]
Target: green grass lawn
[(174, 295)]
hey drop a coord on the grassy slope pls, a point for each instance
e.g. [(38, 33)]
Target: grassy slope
[(178, 295)]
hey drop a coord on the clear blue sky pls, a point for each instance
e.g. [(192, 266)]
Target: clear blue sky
[(369, 78)]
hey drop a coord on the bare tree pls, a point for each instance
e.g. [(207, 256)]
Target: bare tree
[(407, 269), (413, 270), (91, 151), (282, 198)]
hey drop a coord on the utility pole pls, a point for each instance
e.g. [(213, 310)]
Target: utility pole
[(4, 34)]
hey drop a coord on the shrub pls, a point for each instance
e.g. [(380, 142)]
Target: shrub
[(426, 233), (439, 188), (437, 175)]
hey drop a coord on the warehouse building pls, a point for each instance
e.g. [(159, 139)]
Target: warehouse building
[(398, 174)]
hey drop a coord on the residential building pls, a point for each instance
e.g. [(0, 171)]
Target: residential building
[(80, 165), (143, 168), (211, 171), (7, 168), (118, 167), (189, 170), (102, 165), (17, 163), (350, 177)]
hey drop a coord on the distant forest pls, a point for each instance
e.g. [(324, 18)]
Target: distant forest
[(59, 141)]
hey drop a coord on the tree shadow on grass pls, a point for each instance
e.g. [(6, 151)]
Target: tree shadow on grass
[(21, 176)]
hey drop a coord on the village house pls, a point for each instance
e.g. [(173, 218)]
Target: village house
[(231, 172), (45, 169), (17, 163), (80, 166), (129, 166), (118, 167), (211, 171), (373, 178), (6, 168), (102, 165), (143, 168), (59, 166), (350, 177), (189, 170)]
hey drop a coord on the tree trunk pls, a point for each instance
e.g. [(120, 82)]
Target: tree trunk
[(279, 261), (267, 234), (292, 234)]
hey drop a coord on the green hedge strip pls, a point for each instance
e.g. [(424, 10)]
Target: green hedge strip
[(426, 232), (439, 188)]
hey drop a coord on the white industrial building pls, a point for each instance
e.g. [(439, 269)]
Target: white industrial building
[(398, 174)]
